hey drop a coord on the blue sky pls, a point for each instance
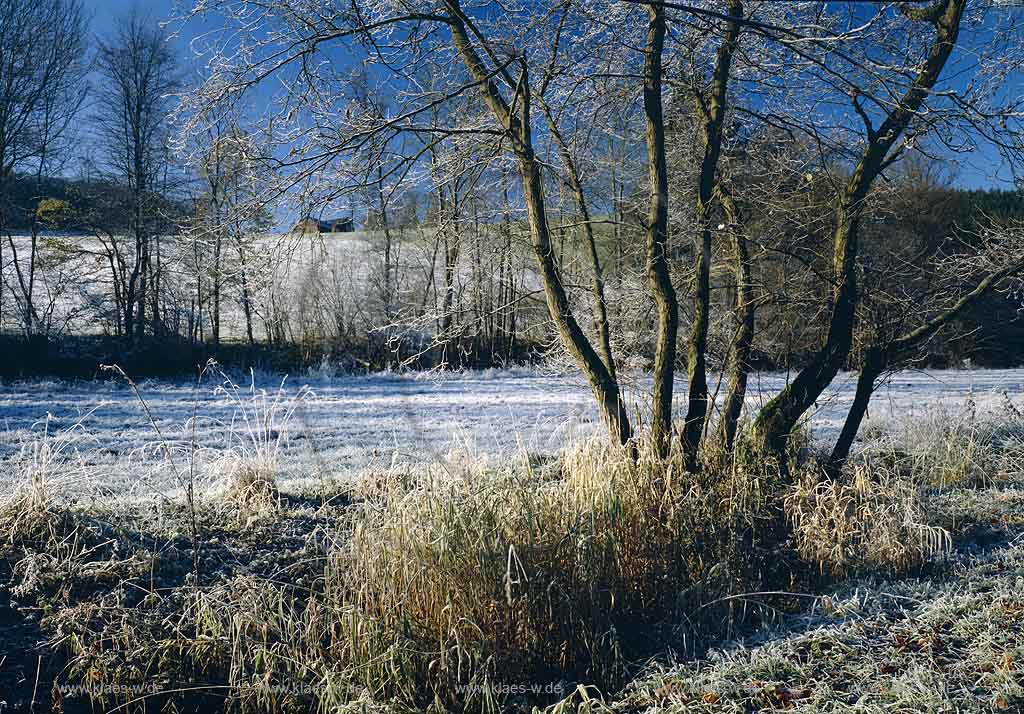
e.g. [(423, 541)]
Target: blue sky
[(114, 6), (979, 170), (105, 14)]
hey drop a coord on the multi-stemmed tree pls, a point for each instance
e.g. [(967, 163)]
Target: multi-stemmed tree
[(857, 87)]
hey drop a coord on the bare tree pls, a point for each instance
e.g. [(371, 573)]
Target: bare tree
[(573, 176), (42, 87), (710, 104), (657, 234), (744, 310), (139, 76), (778, 418), (226, 219), (924, 285), (896, 99), (489, 68)]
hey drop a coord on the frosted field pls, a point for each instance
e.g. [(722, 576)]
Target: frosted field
[(346, 424), (290, 255)]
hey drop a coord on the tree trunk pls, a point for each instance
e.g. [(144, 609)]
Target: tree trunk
[(596, 274), (604, 386), (517, 123), (870, 369), (141, 295), (130, 293), (779, 417), (712, 111), (382, 204), (451, 264), (657, 237), (155, 317), (215, 316), (27, 286), (878, 358), (199, 292), (739, 362), (247, 308)]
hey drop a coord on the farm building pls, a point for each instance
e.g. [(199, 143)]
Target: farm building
[(342, 224)]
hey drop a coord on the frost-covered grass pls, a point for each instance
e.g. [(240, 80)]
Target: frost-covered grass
[(430, 588), (345, 425), (950, 638), (952, 642), (352, 423)]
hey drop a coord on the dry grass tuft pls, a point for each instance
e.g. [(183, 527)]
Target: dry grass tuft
[(49, 547), (455, 583), (251, 484), (42, 467), (871, 519), (257, 433)]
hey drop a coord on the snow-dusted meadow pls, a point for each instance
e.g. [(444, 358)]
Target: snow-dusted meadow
[(285, 271), (343, 425), (78, 298)]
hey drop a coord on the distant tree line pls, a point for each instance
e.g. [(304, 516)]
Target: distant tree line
[(342, 308)]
